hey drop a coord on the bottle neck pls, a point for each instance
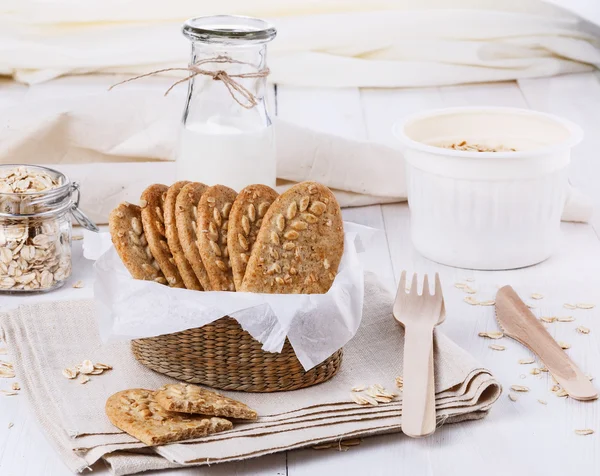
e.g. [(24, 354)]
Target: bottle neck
[(247, 58), (230, 97)]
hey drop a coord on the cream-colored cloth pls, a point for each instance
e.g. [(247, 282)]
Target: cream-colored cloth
[(116, 143), (388, 43), (45, 338)]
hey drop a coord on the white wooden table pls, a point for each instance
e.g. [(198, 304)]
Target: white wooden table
[(522, 437)]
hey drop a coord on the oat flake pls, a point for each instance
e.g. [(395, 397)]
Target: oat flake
[(519, 388), (583, 305), (526, 361), (584, 432)]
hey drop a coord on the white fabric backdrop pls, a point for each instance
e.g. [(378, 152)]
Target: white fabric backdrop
[(380, 43)]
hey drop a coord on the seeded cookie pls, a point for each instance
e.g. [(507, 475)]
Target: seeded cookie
[(183, 266), (245, 219), (186, 211), (153, 222), (187, 398), (299, 245), (136, 412), (213, 221), (125, 224)]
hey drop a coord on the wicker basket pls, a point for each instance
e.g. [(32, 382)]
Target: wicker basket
[(222, 355)]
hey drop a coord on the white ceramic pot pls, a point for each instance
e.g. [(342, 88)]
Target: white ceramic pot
[(487, 210)]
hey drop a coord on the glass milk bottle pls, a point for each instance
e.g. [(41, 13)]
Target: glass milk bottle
[(227, 136)]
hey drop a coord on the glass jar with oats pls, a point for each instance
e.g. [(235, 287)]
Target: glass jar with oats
[(36, 206)]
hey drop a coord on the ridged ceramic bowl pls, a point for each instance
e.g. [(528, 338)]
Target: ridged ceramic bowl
[(487, 210)]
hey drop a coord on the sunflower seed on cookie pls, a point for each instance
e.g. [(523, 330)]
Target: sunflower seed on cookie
[(213, 222), (183, 265), (136, 412), (186, 211), (154, 227), (187, 398), (129, 239), (245, 219), (300, 243)]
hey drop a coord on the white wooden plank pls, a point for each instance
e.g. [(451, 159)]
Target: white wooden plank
[(336, 111), (384, 107), (577, 98), (505, 94)]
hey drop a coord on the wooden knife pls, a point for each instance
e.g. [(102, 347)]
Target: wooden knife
[(518, 322)]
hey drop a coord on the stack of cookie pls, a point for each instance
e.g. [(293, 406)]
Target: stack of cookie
[(192, 236), (174, 412)]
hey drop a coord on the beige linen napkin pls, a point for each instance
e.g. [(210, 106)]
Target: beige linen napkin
[(46, 338)]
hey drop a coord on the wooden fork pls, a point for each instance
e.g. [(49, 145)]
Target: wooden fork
[(419, 314)]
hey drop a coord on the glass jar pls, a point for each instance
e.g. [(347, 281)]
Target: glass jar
[(227, 135), (35, 228)]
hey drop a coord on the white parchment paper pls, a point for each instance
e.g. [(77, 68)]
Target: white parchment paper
[(316, 324)]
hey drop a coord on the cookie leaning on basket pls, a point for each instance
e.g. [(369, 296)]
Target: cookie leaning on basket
[(300, 243), (129, 239), (245, 220), (184, 267), (152, 202)]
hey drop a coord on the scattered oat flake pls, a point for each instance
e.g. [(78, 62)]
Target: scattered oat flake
[(584, 432), (470, 280), (519, 388), (70, 373), (530, 305), (555, 388), (469, 290), (492, 334), (358, 388), (564, 345), (77, 237), (460, 285), (549, 320), (565, 319), (8, 393), (537, 296), (535, 371), (78, 284), (583, 305), (83, 379), (15, 386), (471, 300), (543, 402), (544, 369), (101, 366), (491, 302), (513, 397), (87, 367), (583, 330), (10, 425), (399, 382), (562, 393), (496, 347), (569, 306), (526, 361)]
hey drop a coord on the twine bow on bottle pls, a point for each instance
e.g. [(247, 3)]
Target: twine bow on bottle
[(235, 88)]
